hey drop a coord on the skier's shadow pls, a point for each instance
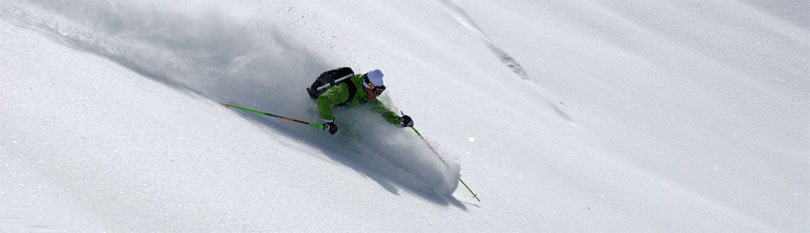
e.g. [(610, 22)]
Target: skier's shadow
[(333, 147)]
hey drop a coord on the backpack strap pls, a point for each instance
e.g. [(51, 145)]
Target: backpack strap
[(352, 90)]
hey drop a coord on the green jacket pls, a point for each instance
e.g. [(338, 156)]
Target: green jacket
[(340, 93)]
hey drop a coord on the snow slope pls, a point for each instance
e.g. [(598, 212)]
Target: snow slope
[(563, 116)]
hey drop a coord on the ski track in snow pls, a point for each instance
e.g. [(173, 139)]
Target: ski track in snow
[(256, 72), (462, 18)]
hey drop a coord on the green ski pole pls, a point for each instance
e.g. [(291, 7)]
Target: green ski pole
[(468, 189), (440, 158), (272, 115), (429, 146)]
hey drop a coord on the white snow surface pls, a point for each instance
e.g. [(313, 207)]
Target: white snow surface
[(563, 116)]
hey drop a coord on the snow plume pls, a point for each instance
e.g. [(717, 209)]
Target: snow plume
[(199, 49), (397, 152), (225, 54)]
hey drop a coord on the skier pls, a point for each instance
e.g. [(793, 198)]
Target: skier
[(366, 88)]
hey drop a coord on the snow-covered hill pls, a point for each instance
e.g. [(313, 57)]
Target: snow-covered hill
[(563, 116)]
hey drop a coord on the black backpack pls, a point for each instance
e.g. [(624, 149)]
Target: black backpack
[(330, 79)]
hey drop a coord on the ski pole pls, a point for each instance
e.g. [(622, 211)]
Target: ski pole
[(272, 115), (429, 146), (440, 158), (468, 189)]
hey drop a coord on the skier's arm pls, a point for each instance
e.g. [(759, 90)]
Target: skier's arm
[(329, 99), (379, 107)]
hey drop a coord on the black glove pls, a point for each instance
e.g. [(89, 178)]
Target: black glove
[(330, 127), (406, 121)]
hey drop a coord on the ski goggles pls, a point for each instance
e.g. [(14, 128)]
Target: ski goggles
[(374, 89)]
